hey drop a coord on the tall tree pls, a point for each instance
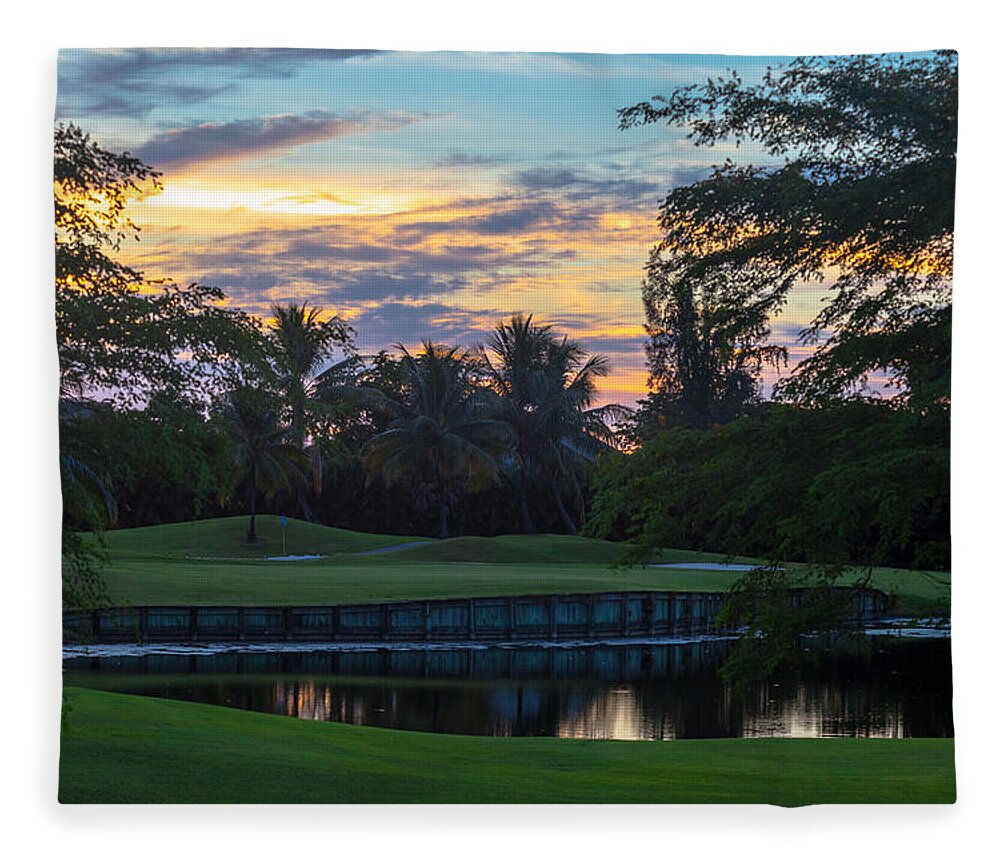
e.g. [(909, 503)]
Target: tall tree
[(707, 346), (441, 434), (120, 336), (546, 386), (267, 463), (303, 341), (858, 186)]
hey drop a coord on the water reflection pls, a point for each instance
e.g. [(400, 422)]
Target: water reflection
[(897, 688)]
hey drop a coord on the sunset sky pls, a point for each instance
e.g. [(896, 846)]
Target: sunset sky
[(419, 195)]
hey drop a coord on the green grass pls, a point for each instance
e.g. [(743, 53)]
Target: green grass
[(535, 549), (132, 749), (226, 538), (208, 562)]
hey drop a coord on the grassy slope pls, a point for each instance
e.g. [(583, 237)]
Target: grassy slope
[(131, 749), (226, 538), (207, 562)]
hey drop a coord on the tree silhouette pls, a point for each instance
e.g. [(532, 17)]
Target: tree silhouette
[(707, 347), (546, 387), (303, 340), (119, 336), (860, 188), (117, 331), (267, 462), (441, 433)]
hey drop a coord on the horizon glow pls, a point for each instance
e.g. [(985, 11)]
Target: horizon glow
[(418, 195)]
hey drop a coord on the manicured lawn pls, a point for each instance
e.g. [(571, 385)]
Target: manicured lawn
[(208, 562), (226, 538), (133, 749), (392, 578)]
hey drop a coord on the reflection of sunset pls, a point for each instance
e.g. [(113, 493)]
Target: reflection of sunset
[(617, 692), (802, 716), (614, 716), (624, 712)]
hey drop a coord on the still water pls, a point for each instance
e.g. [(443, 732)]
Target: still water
[(889, 687)]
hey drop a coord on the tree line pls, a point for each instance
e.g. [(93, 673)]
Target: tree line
[(174, 404), (499, 438), (848, 461)]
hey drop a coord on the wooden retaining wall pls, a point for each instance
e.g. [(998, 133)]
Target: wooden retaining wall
[(618, 615)]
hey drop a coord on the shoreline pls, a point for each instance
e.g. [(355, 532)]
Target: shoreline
[(899, 627)]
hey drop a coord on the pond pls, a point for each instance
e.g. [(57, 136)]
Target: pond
[(889, 686)]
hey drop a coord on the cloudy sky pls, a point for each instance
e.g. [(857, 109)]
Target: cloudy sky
[(420, 195)]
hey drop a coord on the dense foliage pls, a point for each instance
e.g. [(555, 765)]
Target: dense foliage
[(858, 190), (119, 335), (857, 483), (544, 388), (707, 346), (855, 190), (443, 438), (118, 332)]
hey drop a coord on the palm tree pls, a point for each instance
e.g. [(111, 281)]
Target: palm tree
[(441, 432), (303, 341), (569, 432), (546, 387), (266, 462)]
